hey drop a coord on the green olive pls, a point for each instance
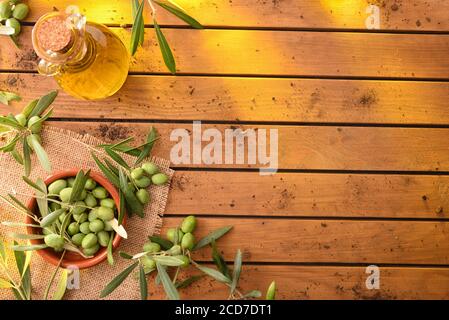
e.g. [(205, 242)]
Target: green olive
[(77, 239), (89, 241), (73, 228), (100, 193), (92, 250), (188, 241), (147, 262), (46, 231), (90, 184), (80, 218), (188, 224), (105, 214), (159, 179), (83, 194), (96, 226), (143, 196), (137, 173), (5, 10), (175, 250), (143, 182), (150, 168), (65, 194), (84, 227), (90, 201), (131, 186), (54, 241), (185, 260), (93, 214), (103, 238), (271, 291), (151, 247), (20, 11), (79, 207), (108, 226), (54, 206), (71, 181), (56, 186), (34, 128), (62, 217), (171, 235), (108, 203), (21, 119)]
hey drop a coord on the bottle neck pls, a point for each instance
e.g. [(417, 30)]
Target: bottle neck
[(59, 40)]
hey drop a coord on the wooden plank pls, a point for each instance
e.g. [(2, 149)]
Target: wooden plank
[(316, 282), (327, 241), (230, 99), (278, 53), (308, 147), (417, 15), (310, 195)]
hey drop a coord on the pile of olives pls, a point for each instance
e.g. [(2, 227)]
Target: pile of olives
[(90, 225), (12, 12), (183, 240), (143, 177)]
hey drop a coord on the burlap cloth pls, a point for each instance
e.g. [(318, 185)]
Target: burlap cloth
[(68, 150)]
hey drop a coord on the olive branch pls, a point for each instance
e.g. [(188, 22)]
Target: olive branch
[(138, 29), (161, 255)]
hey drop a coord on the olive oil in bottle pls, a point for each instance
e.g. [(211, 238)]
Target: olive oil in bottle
[(87, 59)]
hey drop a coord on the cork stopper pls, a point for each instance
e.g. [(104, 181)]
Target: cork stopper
[(54, 35)]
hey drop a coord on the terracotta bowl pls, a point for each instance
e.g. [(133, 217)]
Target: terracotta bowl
[(73, 259)]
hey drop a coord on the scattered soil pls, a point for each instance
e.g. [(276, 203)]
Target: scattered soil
[(112, 132)]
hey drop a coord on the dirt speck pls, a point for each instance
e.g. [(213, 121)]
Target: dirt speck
[(112, 132)]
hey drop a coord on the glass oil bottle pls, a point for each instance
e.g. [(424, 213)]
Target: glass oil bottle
[(87, 59)]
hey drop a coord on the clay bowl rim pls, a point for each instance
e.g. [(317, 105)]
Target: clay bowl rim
[(52, 257)]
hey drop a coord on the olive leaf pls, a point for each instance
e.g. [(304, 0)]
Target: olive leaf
[(19, 224), (20, 204), (181, 15), (168, 261), (16, 155), (252, 294), (219, 260), (165, 244), (151, 137), (138, 29), (143, 284), (167, 54), (11, 144), (28, 247), (236, 271), (29, 108), (106, 171), (124, 255), (271, 291), (122, 207), (213, 236), (4, 284), (7, 97), (26, 157), (53, 276), (78, 185), (25, 236), (43, 103), (40, 153), (169, 287), (41, 197), (65, 223), (5, 121), (34, 185), (109, 250), (111, 167), (111, 286), (51, 217), (6, 31), (117, 158), (3, 255), (213, 273), (187, 282), (62, 285), (134, 205), (135, 9)]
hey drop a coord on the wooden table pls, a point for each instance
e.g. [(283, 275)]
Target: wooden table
[(363, 122)]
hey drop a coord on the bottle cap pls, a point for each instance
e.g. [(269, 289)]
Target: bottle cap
[(54, 34)]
